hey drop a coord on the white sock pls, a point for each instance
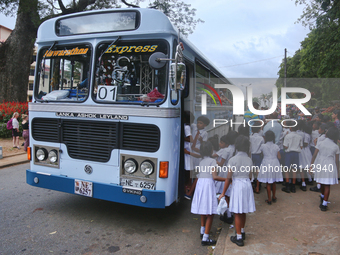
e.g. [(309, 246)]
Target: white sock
[(303, 184), (228, 213), (324, 203), (309, 177), (202, 230), (242, 230), (239, 236), (205, 237), (318, 186), (322, 196)]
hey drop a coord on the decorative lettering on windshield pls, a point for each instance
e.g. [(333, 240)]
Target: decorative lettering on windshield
[(72, 52), (132, 49)]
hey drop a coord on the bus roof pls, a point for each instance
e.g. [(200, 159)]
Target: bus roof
[(47, 32)]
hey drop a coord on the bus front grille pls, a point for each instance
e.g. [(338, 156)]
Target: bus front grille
[(95, 140), (89, 140)]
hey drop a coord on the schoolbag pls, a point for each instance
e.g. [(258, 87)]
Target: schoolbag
[(9, 124)]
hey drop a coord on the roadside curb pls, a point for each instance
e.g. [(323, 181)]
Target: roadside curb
[(221, 241), (13, 160)]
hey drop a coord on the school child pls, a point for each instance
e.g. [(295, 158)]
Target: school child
[(270, 171), (242, 196), (204, 201), (293, 145), (305, 155), (215, 143), (322, 136), (328, 165), (285, 131), (199, 134), (315, 134), (227, 145), (188, 118), (255, 143)]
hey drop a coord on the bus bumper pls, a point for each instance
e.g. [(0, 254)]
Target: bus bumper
[(109, 192)]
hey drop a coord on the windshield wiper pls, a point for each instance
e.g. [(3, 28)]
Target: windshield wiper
[(43, 62), (118, 38)]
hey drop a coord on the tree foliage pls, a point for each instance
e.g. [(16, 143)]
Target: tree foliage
[(16, 53), (319, 54)]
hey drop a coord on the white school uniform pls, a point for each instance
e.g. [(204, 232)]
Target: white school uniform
[(242, 195), (270, 170), (204, 135), (316, 161), (224, 153), (293, 142), (315, 134), (255, 143), (285, 132), (327, 150), (305, 156), (204, 201), (188, 160)]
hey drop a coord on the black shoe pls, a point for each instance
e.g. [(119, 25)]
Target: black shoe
[(321, 199), (201, 236), (286, 189), (303, 188), (309, 182), (315, 188), (22, 144), (209, 242), (229, 220), (323, 207), (239, 242), (243, 236), (292, 188)]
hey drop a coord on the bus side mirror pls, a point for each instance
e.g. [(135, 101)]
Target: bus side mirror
[(177, 76)]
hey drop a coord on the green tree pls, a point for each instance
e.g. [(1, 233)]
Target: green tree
[(319, 54), (16, 53)]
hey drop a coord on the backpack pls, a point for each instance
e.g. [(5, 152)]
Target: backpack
[(9, 124)]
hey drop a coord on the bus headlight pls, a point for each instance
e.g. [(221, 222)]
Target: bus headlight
[(130, 166), (147, 167), (53, 156), (41, 154)]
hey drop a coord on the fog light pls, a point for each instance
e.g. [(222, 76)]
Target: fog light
[(143, 199), (36, 180)]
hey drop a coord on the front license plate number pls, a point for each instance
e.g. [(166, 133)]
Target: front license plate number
[(137, 184), (83, 188)]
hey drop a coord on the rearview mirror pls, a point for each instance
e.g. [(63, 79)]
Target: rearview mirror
[(177, 76)]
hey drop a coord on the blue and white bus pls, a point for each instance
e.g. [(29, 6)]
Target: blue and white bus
[(105, 117)]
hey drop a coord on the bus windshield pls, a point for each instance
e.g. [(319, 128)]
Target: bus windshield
[(63, 73), (123, 73)]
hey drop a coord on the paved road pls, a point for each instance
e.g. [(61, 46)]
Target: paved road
[(40, 221)]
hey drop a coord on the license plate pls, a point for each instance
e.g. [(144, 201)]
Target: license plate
[(83, 188), (137, 184)]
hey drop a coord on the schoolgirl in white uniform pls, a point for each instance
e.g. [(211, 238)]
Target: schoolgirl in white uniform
[(242, 196), (256, 140), (204, 201), (270, 171), (322, 136), (328, 164)]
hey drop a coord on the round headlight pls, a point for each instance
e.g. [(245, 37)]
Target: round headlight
[(41, 154), (130, 166), (53, 156), (147, 167)]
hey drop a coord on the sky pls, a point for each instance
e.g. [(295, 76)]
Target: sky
[(243, 38)]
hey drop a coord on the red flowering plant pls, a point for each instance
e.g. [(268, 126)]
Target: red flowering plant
[(6, 112)]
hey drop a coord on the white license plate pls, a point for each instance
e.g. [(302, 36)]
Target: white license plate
[(83, 188), (137, 184)]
